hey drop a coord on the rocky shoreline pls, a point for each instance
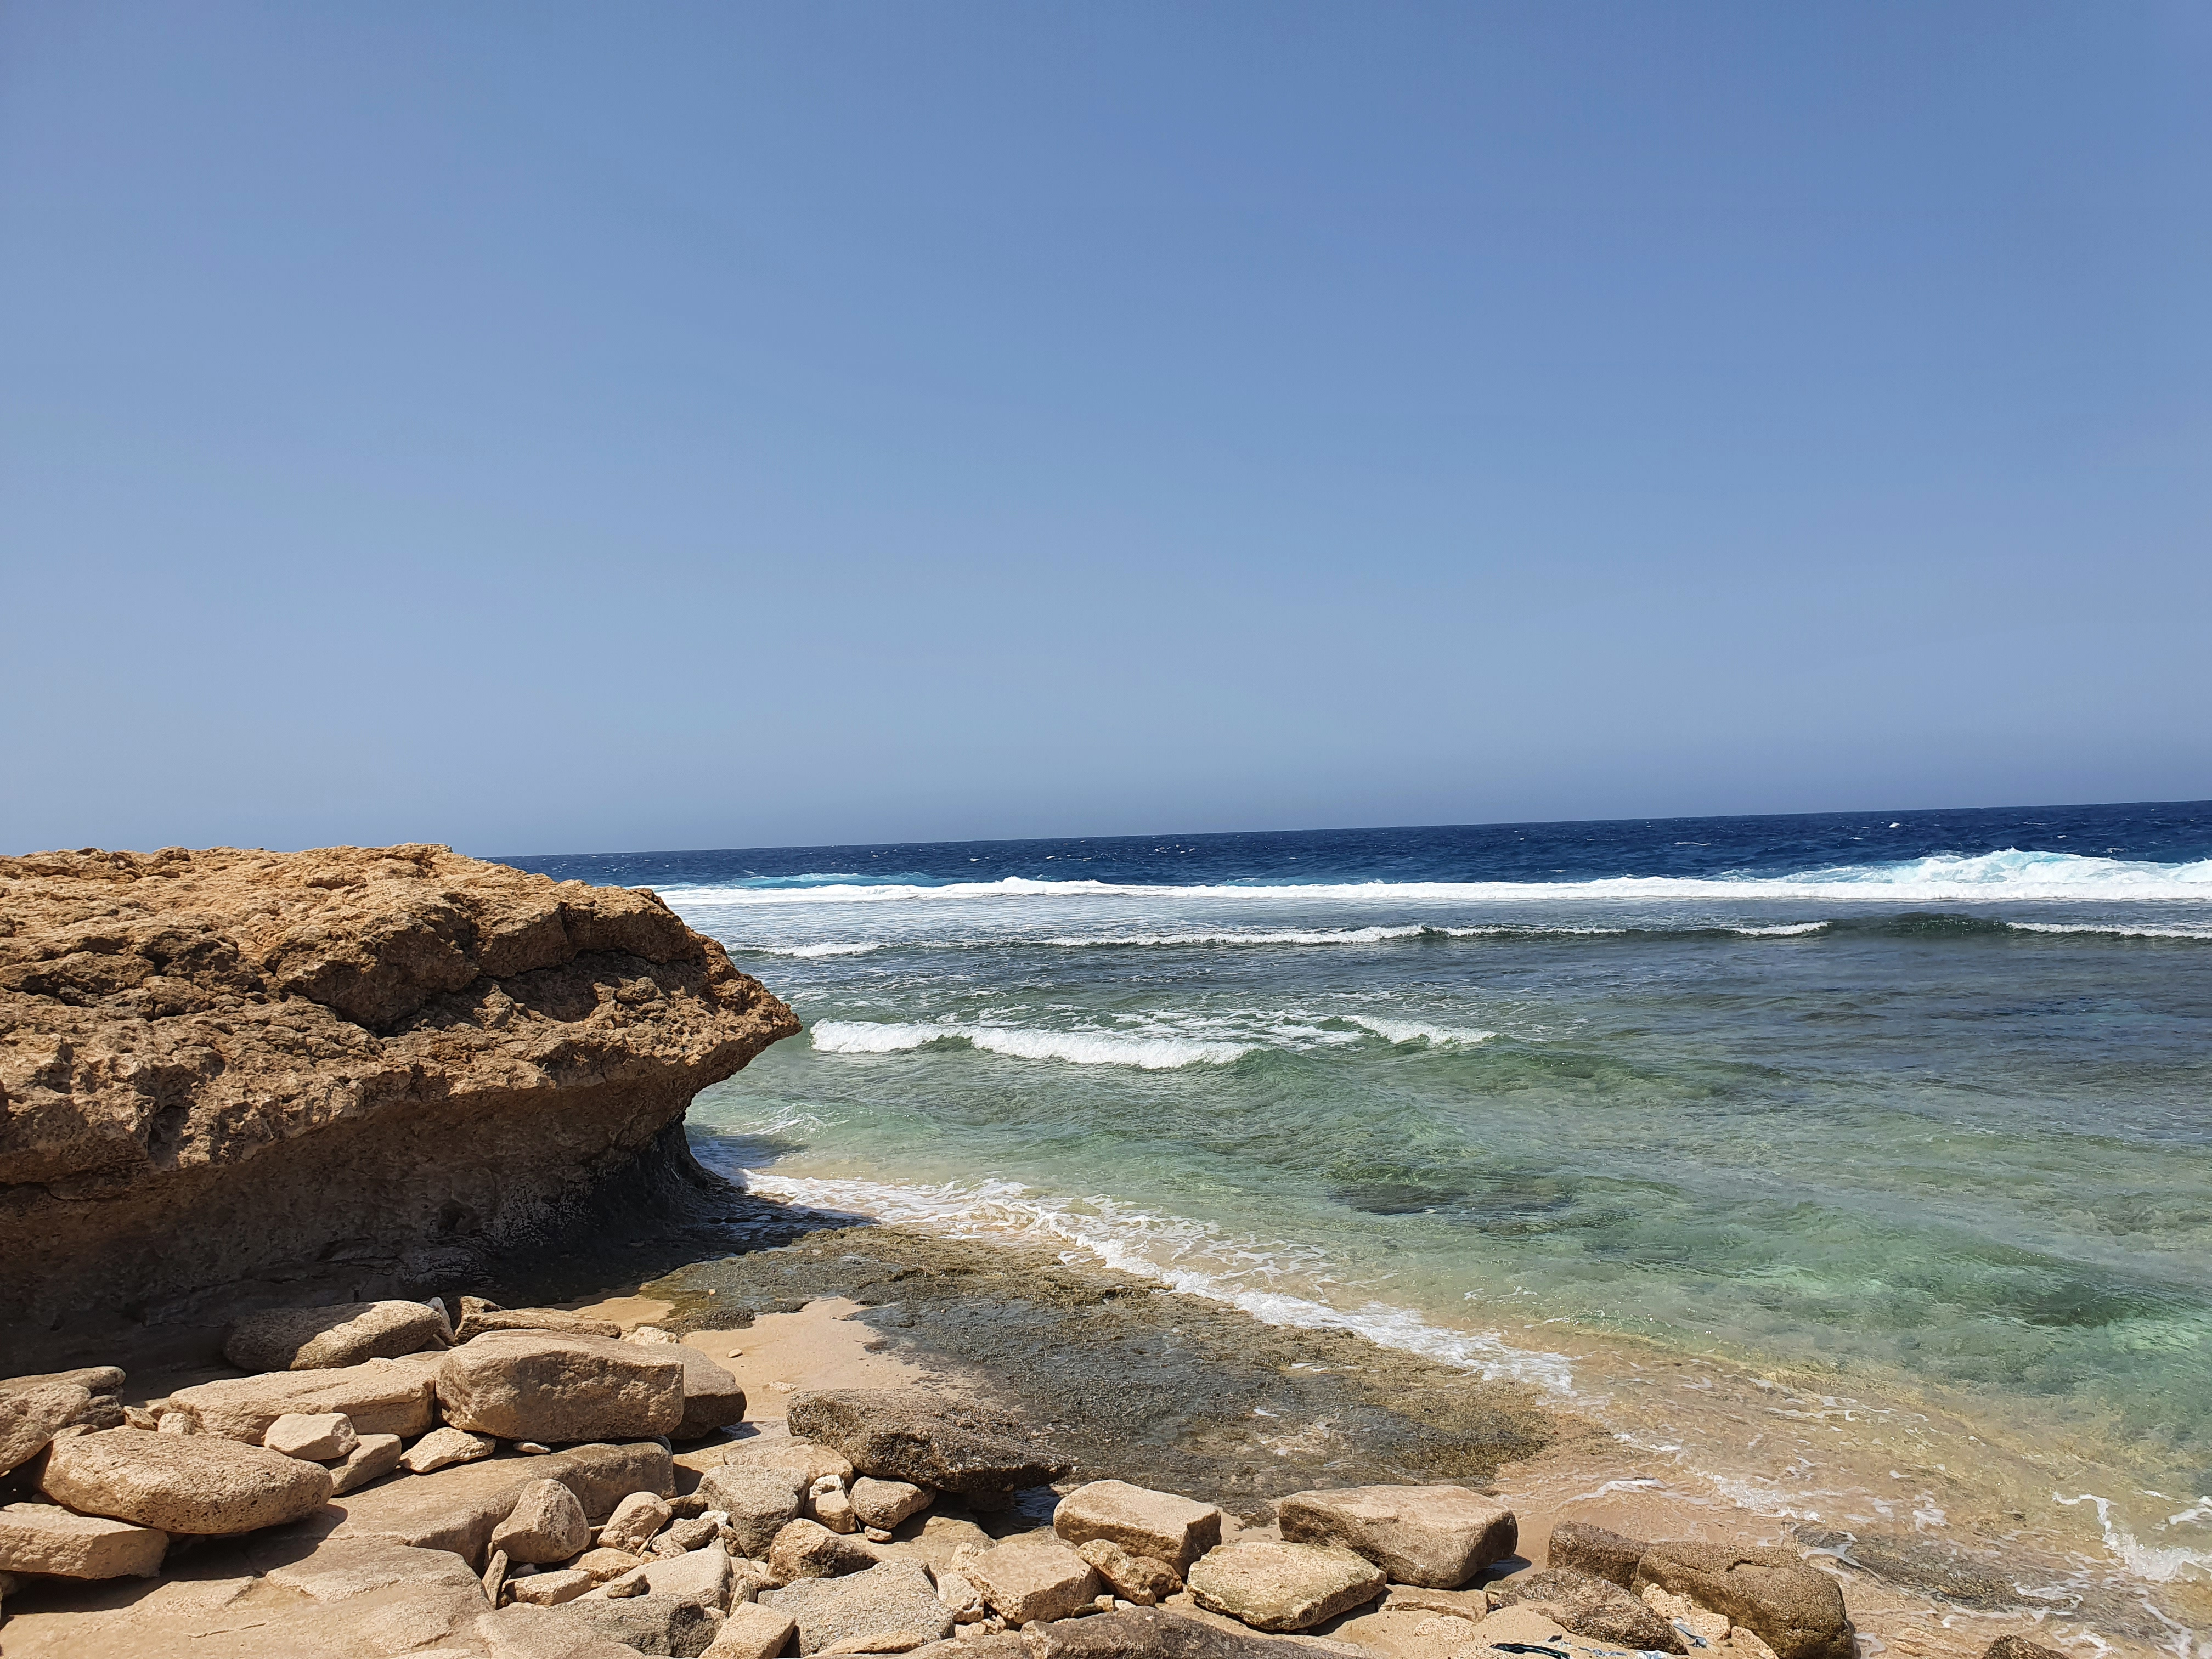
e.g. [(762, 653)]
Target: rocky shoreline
[(1073, 1463)]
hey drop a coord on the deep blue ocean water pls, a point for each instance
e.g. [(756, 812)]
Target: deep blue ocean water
[(1915, 1105)]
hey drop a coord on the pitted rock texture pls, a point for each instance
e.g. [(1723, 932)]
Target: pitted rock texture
[(391, 1062)]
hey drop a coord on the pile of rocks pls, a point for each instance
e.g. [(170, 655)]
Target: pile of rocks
[(507, 1485)]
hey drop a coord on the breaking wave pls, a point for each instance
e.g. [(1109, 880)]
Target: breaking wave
[(2008, 874), (1150, 1054)]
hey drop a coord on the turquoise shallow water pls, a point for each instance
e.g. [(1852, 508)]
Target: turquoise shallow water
[(1934, 1124)]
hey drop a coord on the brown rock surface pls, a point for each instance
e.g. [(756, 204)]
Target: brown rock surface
[(221, 1064), (324, 1338), (1438, 1537), (1593, 1606), (456, 1509), (551, 1386), (381, 1396), (1280, 1587), (1159, 1524), (1585, 1548), (1796, 1610)]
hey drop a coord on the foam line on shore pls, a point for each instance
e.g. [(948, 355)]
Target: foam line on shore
[(1150, 1054), (1119, 1238)]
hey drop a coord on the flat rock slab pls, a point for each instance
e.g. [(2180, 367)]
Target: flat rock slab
[(553, 1386), (339, 1569), (381, 1396), (478, 1316), (1598, 1608), (1281, 1587), (752, 1632), (456, 1509), (47, 1538), (183, 1483), (901, 1435), (1159, 1524), (892, 1596), (318, 1338), (1436, 1537), (700, 1576), (1795, 1609)]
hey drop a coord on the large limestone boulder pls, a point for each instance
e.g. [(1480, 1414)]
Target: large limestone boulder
[(706, 1577), (1438, 1537), (905, 1435), (807, 1549), (1275, 1586), (1159, 1524), (1032, 1577), (711, 1398), (552, 1387), (323, 1338), (1593, 1606), (1584, 1548), (47, 1538), (382, 1396), (183, 1483), (893, 1595), (1796, 1610), (1142, 1580), (224, 1064), (318, 1436)]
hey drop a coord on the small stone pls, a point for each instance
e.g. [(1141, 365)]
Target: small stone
[(47, 1538), (1159, 1524), (650, 1622), (1033, 1578), (374, 1456), (752, 1632), (605, 1564), (1285, 1586), (441, 1449), (877, 1534), (622, 1589), (316, 1339), (834, 1509), (1438, 1537), (759, 1501), (882, 1641), (178, 1422), (1140, 1579), (887, 1504), (682, 1537), (319, 1438), (138, 1417), (532, 1447), (637, 1521), (2019, 1647), (546, 1524), (192, 1484), (807, 1549), (962, 1598), (494, 1577)]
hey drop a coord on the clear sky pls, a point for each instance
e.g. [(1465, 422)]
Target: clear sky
[(545, 426)]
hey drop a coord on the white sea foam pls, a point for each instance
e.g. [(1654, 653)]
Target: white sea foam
[(1183, 1255), (1789, 930), (1297, 936), (1150, 1054), (1406, 1031), (2147, 930), (2161, 1564), (2009, 874)]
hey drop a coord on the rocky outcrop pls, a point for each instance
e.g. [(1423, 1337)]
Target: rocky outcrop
[(378, 1067)]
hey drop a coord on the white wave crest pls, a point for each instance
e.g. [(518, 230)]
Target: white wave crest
[(1149, 1053), (1789, 930), (1183, 1255), (1406, 1031), (2008, 874), (859, 949), (1301, 936), (2111, 930)]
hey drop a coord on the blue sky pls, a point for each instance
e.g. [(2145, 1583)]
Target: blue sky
[(542, 427)]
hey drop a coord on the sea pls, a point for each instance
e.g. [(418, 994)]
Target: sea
[(1853, 1167)]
